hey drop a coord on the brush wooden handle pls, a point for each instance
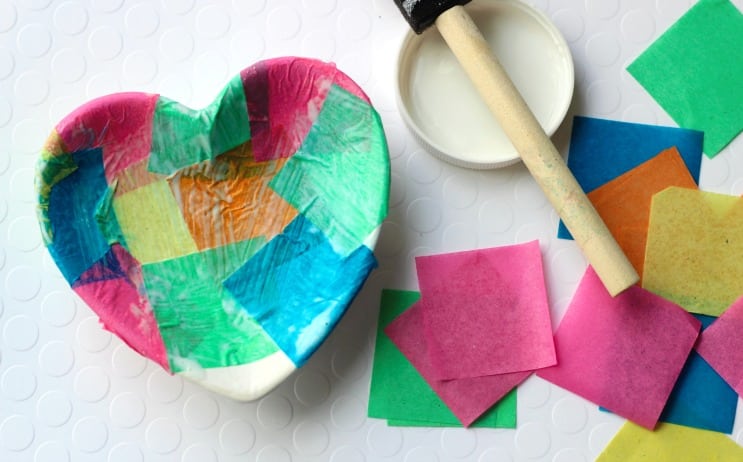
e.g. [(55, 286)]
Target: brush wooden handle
[(536, 150)]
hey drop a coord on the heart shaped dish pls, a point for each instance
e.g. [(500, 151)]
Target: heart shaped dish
[(223, 243)]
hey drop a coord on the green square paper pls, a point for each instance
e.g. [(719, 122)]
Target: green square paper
[(202, 326), (346, 143), (399, 394), (694, 72)]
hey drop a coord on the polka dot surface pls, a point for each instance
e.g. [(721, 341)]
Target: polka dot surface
[(58, 308), (570, 23), (604, 97), (163, 435), (91, 335), (52, 451), (16, 433), (6, 114), (459, 236), (533, 440), (141, 20), (140, 67), (638, 25), (70, 18), (127, 410), (32, 88), (347, 365), (424, 215), (354, 24), (102, 84), (126, 362), (91, 384), (18, 383), (212, 22), (384, 441), (311, 438), (496, 216), (283, 23), (22, 283), (389, 243), (311, 387), (8, 17), (536, 393), (457, 443), (236, 437), (603, 49), (348, 413), (274, 412), (600, 435), (7, 63), (604, 10), (201, 411), (570, 455), (61, 107), (569, 415), (23, 234), (54, 408), (70, 390), (247, 54), (107, 6), (34, 40), (56, 358), (348, 454), (321, 42), (460, 191), (164, 388), (178, 7), (89, 434), (125, 452), (20, 333), (423, 168), (528, 195), (68, 65), (199, 453), (421, 454), (21, 182), (495, 455), (3, 210), (273, 453), (105, 43), (176, 44)]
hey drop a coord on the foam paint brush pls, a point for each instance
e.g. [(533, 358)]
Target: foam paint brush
[(520, 125)]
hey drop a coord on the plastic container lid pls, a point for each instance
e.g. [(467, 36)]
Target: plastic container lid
[(442, 108)]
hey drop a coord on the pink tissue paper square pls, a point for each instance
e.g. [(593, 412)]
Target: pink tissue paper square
[(623, 353), (485, 311), (467, 398), (721, 345)]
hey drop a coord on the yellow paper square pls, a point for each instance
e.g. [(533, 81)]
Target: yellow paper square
[(695, 240), (152, 224), (669, 443)]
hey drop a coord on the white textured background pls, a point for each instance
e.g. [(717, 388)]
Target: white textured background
[(69, 391)]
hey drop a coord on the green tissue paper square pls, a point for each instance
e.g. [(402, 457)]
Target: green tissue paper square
[(694, 72), (400, 395)]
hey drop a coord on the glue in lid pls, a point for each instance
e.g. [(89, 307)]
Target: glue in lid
[(440, 105)]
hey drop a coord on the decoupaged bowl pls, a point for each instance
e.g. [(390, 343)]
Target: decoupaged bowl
[(224, 243)]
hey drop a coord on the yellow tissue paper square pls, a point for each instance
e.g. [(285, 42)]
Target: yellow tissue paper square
[(695, 240), (152, 224), (669, 443)]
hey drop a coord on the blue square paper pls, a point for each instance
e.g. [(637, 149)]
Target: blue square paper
[(601, 150), (297, 287), (701, 398)]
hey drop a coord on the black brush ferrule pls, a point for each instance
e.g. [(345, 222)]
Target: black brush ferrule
[(420, 14)]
